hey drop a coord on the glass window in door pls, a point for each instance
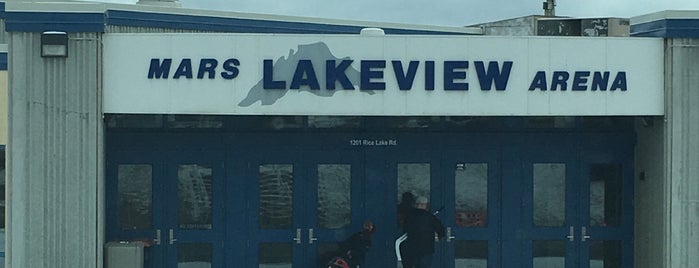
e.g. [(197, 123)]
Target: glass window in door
[(276, 196), (135, 196), (195, 197), (605, 195), (334, 207), (549, 194), (276, 211), (471, 191), (414, 178)]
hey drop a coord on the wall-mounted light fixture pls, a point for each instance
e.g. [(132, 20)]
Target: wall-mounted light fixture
[(54, 44)]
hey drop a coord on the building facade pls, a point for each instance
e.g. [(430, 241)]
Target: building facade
[(217, 139)]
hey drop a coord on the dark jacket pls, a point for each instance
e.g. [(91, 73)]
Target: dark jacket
[(421, 225), (357, 245)]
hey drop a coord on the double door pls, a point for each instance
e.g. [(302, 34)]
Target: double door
[(303, 204), (172, 202), (571, 204)]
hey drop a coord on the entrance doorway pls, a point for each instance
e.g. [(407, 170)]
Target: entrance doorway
[(286, 199)]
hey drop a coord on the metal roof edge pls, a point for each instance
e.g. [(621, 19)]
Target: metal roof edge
[(67, 6), (665, 15)]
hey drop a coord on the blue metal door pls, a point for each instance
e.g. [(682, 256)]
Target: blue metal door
[(540, 203), (392, 172), (472, 216), (134, 204), (194, 197), (605, 231), (306, 201)]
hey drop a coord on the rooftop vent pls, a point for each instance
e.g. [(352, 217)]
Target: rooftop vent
[(372, 32), (162, 3)]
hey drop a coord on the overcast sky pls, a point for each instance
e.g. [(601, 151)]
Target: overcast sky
[(437, 12)]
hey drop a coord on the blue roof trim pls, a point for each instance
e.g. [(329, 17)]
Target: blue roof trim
[(668, 28), (95, 22), (2, 10), (237, 25), (3, 61), (54, 21)]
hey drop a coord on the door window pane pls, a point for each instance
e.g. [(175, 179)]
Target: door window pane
[(276, 196), (135, 196), (471, 189), (606, 254), (470, 254), (275, 255), (549, 254), (605, 195), (334, 181), (194, 194), (549, 194), (194, 255), (414, 178)]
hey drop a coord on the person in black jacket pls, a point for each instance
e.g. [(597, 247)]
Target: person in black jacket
[(356, 246), (421, 225)]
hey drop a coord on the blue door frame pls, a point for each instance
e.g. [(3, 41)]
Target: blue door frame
[(520, 232), (475, 233), (163, 235), (509, 157), (305, 234)]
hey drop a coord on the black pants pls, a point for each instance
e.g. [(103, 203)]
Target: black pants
[(424, 261)]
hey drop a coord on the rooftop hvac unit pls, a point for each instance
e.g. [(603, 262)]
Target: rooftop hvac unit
[(124, 255)]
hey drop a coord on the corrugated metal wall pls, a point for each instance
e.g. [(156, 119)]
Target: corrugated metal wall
[(682, 157), (55, 169)]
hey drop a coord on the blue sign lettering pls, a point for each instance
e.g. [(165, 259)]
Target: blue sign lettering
[(305, 75), (452, 71), (337, 73), (207, 68), (559, 81), (268, 77), (159, 70), (371, 75), (405, 80), (493, 74), (369, 72)]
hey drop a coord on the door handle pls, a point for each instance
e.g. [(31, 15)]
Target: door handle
[(571, 234), (298, 236), (449, 236), (172, 237), (156, 240), (310, 236), (583, 233)]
